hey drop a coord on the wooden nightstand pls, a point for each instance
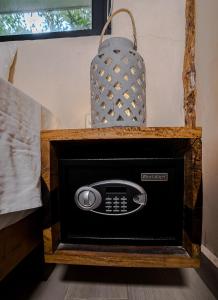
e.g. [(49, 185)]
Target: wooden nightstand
[(188, 144)]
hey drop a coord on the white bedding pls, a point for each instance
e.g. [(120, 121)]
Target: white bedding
[(21, 119)]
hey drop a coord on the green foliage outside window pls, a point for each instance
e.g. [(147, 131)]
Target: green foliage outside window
[(45, 21)]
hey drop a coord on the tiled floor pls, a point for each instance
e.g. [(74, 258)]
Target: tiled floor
[(87, 283)]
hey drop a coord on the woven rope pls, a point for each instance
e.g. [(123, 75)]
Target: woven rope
[(109, 21)]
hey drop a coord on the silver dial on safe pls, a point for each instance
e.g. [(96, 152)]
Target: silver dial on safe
[(87, 198)]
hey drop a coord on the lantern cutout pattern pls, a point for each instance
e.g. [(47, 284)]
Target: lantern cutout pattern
[(118, 82)]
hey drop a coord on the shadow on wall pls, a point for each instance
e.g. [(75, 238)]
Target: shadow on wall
[(209, 274)]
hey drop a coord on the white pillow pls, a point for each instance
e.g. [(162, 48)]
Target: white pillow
[(7, 54)]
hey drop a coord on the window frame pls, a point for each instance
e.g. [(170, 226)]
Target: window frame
[(100, 9)]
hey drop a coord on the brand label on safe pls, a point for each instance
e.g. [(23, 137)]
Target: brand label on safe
[(154, 176)]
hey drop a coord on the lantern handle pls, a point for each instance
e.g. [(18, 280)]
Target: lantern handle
[(110, 19)]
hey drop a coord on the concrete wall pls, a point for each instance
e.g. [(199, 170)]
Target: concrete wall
[(56, 72), (207, 112)]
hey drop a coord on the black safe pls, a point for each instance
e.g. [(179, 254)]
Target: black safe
[(121, 192)]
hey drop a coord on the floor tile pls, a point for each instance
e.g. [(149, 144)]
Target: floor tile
[(190, 288), (95, 284)]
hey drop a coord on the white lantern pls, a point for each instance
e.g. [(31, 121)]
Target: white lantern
[(118, 88)]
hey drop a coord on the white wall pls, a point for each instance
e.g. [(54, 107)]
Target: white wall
[(207, 111), (56, 72)]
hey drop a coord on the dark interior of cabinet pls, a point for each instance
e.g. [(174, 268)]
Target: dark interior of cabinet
[(130, 152), (130, 148)]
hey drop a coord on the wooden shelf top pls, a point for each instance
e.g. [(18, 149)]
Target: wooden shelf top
[(120, 133)]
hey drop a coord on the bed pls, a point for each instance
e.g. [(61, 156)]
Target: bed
[(21, 119)]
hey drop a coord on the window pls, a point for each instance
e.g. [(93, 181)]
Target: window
[(37, 19)]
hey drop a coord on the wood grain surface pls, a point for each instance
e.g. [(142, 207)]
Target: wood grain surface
[(189, 70), (120, 133), (121, 259)]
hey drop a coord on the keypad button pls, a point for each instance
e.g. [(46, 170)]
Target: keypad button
[(123, 202)]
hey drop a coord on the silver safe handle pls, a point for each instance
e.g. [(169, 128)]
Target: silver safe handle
[(87, 198)]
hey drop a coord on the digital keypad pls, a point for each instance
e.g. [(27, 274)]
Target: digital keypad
[(116, 204)]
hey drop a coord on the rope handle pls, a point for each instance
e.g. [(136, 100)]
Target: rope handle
[(109, 21)]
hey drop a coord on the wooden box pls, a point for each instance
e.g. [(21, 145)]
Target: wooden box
[(187, 255)]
